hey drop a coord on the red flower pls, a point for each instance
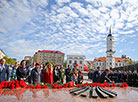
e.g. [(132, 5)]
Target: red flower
[(32, 86), (45, 86)]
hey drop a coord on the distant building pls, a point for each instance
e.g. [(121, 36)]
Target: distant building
[(110, 61), (2, 54), (101, 62), (27, 57), (90, 65), (43, 56), (73, 59)]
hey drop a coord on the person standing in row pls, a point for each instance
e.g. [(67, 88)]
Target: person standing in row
[(48, 74), (29, 72), (61, 73), (56, 74), (80, 77), (97, 74), (35, 74), (68, 74), (13, 75), (4, 71), (21, 71), (104, 77)]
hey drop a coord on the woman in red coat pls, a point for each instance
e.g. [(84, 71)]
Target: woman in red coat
[(48, 74)]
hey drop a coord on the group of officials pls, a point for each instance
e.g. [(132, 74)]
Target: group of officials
[(114, 76)]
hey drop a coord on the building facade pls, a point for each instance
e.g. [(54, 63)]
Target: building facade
[(73, 59), (110, 58), (110, 61), (90, 65), (2, 54), (43, 56)]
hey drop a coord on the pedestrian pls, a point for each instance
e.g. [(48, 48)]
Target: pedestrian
[(4, 71), (35, 74)]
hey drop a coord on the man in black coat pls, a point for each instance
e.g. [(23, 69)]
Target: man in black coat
[(96, 75), (68, 74), (104, 77), (35, 74)]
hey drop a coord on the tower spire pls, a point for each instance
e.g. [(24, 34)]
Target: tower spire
[(110, 30), (110, 33)]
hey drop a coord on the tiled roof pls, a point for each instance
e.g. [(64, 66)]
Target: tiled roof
[(118, 59), (49, 51), (103, 59)]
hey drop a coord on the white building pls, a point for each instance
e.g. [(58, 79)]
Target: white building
[(110, 58), (110, 61), (73, 59), (2, 54)]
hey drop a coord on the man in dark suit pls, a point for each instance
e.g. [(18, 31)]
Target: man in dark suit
[(96, 75), (68, 74), (35, 74), (104, 77), (4, 71)]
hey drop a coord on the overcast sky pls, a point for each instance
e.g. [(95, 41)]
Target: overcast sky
[(70, 26)]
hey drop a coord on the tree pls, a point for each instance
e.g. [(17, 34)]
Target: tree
[(9, 60), (65, 64), (130, 63)]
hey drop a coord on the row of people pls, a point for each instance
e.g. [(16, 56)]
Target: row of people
[(36, 74), (115, 76)]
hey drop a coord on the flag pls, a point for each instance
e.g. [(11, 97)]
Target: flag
[(77, 64), (85, 68)]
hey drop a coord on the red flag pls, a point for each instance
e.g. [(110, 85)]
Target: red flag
[(85, 68), (77, 64)]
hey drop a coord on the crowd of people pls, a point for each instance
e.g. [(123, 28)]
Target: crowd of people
[(37, 73), (114, 76)]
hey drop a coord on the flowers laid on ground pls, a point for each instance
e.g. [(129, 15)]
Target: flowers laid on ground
[(16, 84)]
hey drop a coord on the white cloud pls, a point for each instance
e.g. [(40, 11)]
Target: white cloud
[(78, 6), (104, 2), (61, 2), (73, 27)]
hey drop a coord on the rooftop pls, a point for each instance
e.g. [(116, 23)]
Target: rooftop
[(50, 51)]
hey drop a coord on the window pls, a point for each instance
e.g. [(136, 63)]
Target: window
[(80, 62), (76, 57), (110, 63), (75, 61), (70, 61), (120, 64)]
